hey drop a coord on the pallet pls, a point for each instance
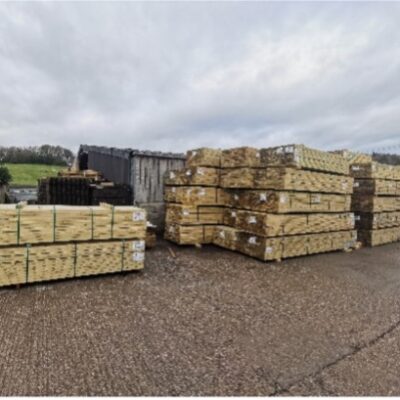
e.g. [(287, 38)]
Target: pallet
[(189, 235), (193, 176), (281, 178), (273, 225), (30, 224), (302, 157), (38, 263), (193, 215), (287, 202)]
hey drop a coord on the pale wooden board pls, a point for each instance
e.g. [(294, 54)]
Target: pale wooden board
[(203, 157), (369, 203), (240, 157), (375, 170), (193, 176), (37, 263), (378, 237), (189, 234), (378, 187), (193, 215), (380, 220), (195, 195)]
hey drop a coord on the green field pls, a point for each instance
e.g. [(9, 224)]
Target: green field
[(28, 174)]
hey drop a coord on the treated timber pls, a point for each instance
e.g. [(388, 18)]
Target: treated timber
[(189, 234), (375, 170), (37, 263), (193, 195), (378, 187), (381, 220), (193, 215), (203, 157), (240, 157), (302, 157), (288, 202), (193, 176), (378, 237), (373, 204), (30, 224)]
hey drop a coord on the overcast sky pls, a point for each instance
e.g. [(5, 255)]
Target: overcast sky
[(176, 76)]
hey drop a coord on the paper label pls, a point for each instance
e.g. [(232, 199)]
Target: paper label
[(138, 257), (268, 250), (279, 150), (188, 172), (233, 214), (356, 184), (200, 171), (282, 198), (253, 240), (138, 216), (289, 149), (258, 154), (172, 175), (222, 234), (357, 217), (252, 219), (316, 198), (355, 167), (186, 212), (202, 192), (138, 245), (236, 196), (263, 196), (173, 190)]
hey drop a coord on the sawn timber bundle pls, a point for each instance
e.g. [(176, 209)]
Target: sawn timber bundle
[(296, 198)]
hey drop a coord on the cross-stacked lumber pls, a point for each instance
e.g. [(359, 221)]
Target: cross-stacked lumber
[(376, 202), (40, 243), (291, 199)]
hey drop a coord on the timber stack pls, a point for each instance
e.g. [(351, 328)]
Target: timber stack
[(376, 202), (279, 202), (43, 243)]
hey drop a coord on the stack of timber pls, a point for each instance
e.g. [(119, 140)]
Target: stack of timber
[(194, 201), (43, 243), (279, 202), (376, 202), (82, 190)]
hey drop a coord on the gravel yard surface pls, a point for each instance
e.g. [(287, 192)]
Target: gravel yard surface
[(210, 322)]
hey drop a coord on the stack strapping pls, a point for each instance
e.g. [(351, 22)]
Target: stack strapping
[(376, 202), (40, 243), (279, 202)]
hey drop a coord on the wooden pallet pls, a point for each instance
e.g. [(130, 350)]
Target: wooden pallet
[(37, 263), (287, 202), (193, 176), (268, 249), (375, 170), (369, 221), (272, 225), (240, 157), (203, 157), (30, 224), (377, 187), (377, 237), (370, 203), (195, 195), (193, 215), (281, 178), (189, 234), (302, 157)]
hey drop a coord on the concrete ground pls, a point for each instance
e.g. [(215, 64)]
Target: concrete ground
[(210, 322)]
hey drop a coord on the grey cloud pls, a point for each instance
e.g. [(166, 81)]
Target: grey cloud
[(173, 76)]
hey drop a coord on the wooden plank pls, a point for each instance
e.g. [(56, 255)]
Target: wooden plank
[(302, 157), (194, 195), (378, 237), (354, 157), (370, 203), (193, 215), (203, 157), (375, 170), (240, 157), (193, 176), (369, 221), (226, 237), (288, 202), (378, 187)]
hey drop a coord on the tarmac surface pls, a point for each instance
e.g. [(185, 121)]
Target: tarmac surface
[(210, 322)]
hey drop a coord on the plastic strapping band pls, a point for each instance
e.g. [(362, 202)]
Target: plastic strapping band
[(122, 254), (112, 222), (18, 223), (27, 262), (92, 218), (54, 223), (75, 257)]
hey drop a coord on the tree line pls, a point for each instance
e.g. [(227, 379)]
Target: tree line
[(45, 154), (391, 159)]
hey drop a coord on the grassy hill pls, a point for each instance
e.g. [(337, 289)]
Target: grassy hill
[(28, 174)]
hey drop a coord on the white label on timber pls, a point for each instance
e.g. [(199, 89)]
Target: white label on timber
[(355, 167), (258, 154), (200, 171), (282, 198), (138, 245), (279, 150), (263, 196), (138, 216), (236, 196), (171, 229), (344, 185), (289, 149), (375, 218), (171, 175), (222, 234), (356, 184), (194, 152), (316, 198), (357, 217), (252, 219), (188, 172), (173, 190), (186, 212), (138, 256), (253, 240), (233, 214), (202, 192), (268, 250)]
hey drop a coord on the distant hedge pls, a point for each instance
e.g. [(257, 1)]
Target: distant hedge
[(5, 176), (46, 154)]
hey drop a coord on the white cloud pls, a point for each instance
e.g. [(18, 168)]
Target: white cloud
[(173, 76)]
